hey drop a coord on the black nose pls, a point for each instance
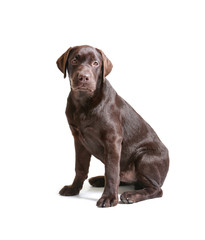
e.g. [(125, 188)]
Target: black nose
[(83, 77)]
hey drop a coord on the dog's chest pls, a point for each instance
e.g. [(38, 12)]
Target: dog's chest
[(89, 137)]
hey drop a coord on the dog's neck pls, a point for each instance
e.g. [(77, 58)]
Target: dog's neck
[(86, 99), (81, 98)]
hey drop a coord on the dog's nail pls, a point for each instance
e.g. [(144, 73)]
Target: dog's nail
[(129, 201)]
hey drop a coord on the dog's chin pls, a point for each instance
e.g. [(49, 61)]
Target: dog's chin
[(83, 89)]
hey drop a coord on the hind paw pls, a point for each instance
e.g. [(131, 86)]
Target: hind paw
[(97, 181)]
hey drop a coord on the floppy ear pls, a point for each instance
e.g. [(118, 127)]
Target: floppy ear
[(107, 65), (62, 61)]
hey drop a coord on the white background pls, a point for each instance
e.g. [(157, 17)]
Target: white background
[(158, 52)]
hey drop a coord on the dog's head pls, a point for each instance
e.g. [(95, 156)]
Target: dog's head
[(86, 66)]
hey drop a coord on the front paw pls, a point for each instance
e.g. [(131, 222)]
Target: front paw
[(107, 201), (68, 191)]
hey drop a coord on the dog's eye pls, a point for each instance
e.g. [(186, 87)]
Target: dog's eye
[(74, 61), (95, 63)]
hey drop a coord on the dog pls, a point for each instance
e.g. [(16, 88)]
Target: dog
[(104, 125)]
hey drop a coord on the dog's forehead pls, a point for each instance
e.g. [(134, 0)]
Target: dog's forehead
[(86, 51)]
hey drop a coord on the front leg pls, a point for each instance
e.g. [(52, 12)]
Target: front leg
[(81, 168), (112, 172)]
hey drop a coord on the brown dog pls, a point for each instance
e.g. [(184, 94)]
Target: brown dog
[(106, 126)]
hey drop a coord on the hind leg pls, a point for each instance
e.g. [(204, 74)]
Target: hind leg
[(151, 171), (143, 190), (140, 195), (99, 181)]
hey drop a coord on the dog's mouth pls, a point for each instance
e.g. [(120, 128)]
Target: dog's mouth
[(82, 88)]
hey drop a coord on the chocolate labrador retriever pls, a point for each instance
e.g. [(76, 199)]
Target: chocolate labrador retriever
[(107, 127)]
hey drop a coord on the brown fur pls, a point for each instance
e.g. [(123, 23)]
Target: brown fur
[(107, 127)]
